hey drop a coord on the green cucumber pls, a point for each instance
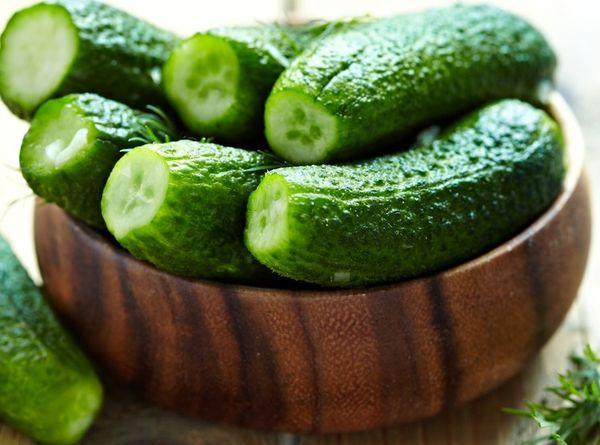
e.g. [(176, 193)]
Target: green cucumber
[(48, 389), (414, 212), (364, 87), (73, 144), (74, 46), (181, 206), (218, 80)]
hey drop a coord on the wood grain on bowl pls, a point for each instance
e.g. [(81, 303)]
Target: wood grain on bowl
[(322, 360)]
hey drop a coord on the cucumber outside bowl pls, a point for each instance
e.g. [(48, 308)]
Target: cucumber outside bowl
[(322, 360)]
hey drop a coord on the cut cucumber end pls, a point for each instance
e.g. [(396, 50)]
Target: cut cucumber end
[(298, 129), (135, 191), (201, 80), (58, 138), (267, 225), (38, 48)]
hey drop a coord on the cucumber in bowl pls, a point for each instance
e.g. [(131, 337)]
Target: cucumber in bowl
[(75, 46), (73, 144), (366, 86), (414, 212), (181, 206), (218, 80)]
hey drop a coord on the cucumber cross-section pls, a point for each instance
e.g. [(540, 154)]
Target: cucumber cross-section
[(306, 129), (135, 191), (201, 81), (38, 48)]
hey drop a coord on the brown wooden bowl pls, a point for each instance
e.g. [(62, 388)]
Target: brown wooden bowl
[(322, 360)]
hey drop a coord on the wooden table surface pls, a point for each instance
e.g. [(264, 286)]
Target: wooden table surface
[(571, 26)]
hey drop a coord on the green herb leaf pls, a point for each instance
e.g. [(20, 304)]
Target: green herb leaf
[(156, 127), (575, 417)]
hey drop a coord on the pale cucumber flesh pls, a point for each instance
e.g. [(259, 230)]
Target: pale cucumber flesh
[(299, 129), (38, 48), (135, 191), (267, 215), (200, 80), (63, 138)]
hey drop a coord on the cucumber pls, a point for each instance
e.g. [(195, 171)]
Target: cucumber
[(75, 46), (218, 80), (48, 389), (414, 212), (181, 206), (73, 144), (368, 85)]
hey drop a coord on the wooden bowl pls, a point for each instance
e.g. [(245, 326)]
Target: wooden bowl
[(322, 360)]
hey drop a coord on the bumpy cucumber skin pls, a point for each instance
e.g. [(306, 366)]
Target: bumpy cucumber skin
[(198, 231), (42, 371), (119, 56), (385, 78), (421, 210), (263, 52), (78, 187)]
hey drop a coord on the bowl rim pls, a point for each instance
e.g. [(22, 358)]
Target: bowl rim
[(574, 160)]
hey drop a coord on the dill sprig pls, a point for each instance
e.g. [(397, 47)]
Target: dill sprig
[(276, 159), (260, 168), (575, 417), (12, 203), (157, 128)]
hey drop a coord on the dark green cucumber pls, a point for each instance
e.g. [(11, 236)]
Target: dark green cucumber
[(48, 389), (73, 144), (364, 87), (182, 206), (414, 212), (76, 46), (218, 80)]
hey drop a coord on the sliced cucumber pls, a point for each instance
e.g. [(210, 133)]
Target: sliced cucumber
[(304, 127), (268, 219), (48, 389), (137, 191), (64, 137), (368, 85), (72, 145), (218, 81), (68, 46), (39, 47), (182, 206), (410, 213), (201, 80)]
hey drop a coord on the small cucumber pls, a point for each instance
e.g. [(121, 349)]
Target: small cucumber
[(75, 46), (48, 389), (218, 80), (182, 205), (73, 144), (366, 86), (414, 212)]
